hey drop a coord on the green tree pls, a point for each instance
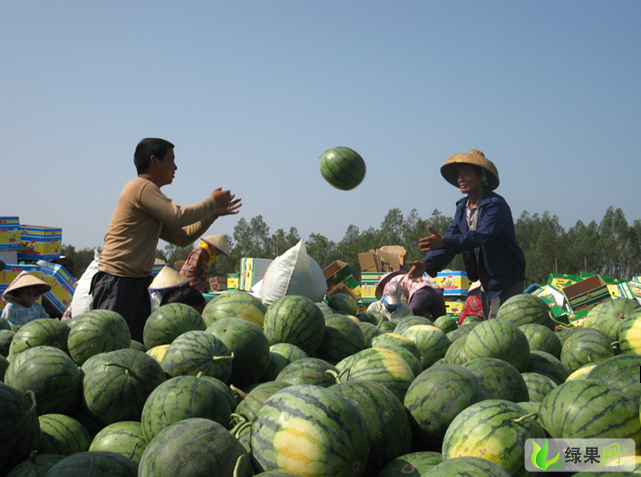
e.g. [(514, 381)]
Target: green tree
[(321, 249)]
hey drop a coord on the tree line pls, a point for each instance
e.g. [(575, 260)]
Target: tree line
[(610, 248)]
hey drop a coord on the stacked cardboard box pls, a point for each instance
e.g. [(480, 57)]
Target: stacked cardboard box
[(63, 285), (232, 281), (385, 259), (339, 278), (39, 242), (252, 270), (10, 233)]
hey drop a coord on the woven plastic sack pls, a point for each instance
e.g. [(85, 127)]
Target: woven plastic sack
[(293, 273)]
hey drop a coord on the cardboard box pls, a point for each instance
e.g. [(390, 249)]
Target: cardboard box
[(454, 306), (252, 270), (9, 256), (232, 281), (10, 233), (336, 272), (342, 288), (561, 280), (158, 265), (39, 242), (551, 294), (217, 284), (586, 293), (385, 259), (59, 296), (453, 283)]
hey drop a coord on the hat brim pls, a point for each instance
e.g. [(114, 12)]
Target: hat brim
[(393, 300), (384, 281), (449, 170), (226, 253)]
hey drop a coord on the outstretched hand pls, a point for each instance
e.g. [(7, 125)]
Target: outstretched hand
[(417, 271), (226, 202), (433, 242)]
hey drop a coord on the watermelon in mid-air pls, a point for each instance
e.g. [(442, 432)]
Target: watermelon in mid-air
[(342, 167)]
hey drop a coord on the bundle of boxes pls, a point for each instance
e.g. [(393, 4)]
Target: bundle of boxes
[(29, 248), (571, 297)]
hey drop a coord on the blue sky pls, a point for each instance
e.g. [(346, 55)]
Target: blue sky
[(252, 92)]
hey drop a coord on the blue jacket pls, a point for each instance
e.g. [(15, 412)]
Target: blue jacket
[(500, 259)]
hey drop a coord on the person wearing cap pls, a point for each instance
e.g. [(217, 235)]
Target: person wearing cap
[(21, 296), (482, 231), (196, 267), (143, 216), (390, 303)]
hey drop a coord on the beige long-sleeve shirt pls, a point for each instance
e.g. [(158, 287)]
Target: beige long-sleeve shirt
[(142, 216)]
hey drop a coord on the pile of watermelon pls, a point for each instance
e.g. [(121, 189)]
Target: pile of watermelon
[(311, 389)]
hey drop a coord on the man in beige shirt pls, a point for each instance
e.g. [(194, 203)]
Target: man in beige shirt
[(142, 216)]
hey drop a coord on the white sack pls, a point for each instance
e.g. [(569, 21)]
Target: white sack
[(293, 273), (81, 300)]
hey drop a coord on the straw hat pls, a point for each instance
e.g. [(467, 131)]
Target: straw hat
[(23, 280), (220, 242), (449, 170), (168, 278), (384, 281)]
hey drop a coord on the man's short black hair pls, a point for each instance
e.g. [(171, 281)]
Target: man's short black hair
[(150, 146), (185, 294)]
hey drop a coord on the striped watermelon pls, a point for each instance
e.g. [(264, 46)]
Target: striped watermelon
[(387, 340), (622, 372), (501, 379), (446, 323), (117, 384), (387, 325), (413, 464), (280, 355), (366, 316), (546, 364), (4, 364), (309, 371), (324, 308), (62, 435), (43, 331), (158, 352), (586, 409), (183, 397), (51, 374), (499, 339), (403, 323), (343, 303), (4, 325), (253, 401), (137, 345), (492, 429), (582, 372), (437, 396), (542, 338), (342, 167), (538, 385), (247, 344), (387, 421), (310, 430), (380, 365), (410, 358), (369, 332), (97, 331), (6, 336), (587, 345), (431, 342), (467, 467), (296, 320), (524, 309), (235, 304), (20, 430), (455, 354), (168, 322), (609, 315), (195, 447), (196, 352), (342, 337), (37, 465), (630, 334), (125, 438), (530, 406), (94, 464), (463, 330)]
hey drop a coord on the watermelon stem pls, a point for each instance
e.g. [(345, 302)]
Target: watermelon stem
[(126, 368), (332, 373), (532, 415), (238, 428), (237, 466), (34, 403), (614, 344), (339, 377), (240, 392)]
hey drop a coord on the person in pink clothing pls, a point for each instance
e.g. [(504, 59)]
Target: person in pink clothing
[(424, 296)]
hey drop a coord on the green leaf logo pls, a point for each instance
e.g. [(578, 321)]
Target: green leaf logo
[(540, 455)]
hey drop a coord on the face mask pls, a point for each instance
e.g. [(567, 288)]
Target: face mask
[(390, 307)]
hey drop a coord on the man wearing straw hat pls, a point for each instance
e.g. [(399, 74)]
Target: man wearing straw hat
[(482, 231), (142, 216), (196, 267)]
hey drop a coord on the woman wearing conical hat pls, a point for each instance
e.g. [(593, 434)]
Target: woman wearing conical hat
[(21, 296), (196, 267), (482, 231)]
